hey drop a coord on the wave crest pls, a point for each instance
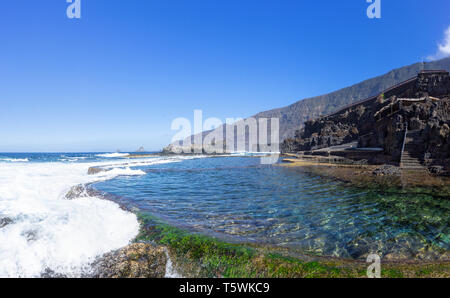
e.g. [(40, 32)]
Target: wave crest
[(113, 155)]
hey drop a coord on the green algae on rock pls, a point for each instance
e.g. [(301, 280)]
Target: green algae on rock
[(202, 256)]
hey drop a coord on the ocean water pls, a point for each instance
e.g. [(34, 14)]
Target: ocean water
[(233, 198), (43, 232)]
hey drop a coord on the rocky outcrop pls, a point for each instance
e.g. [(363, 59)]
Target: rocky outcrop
[(387, 170), (428, 122), (421, 105), (139, 260), (78, 191), (95, 170), (326, 132), (293, 117), (5, 221)]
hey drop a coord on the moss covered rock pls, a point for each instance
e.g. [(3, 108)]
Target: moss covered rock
[(138, 260)]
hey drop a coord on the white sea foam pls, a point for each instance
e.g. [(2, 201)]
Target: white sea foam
[(114, 155), (171, 272), (143, 162), (127, 171), (72, 159), (14, 159), (51, 233)]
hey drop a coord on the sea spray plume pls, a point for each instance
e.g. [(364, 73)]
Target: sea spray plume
[(45, 233)]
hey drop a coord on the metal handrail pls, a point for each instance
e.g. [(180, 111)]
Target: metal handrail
[(403, 146)]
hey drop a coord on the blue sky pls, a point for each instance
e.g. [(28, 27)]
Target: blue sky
[(116, 78)]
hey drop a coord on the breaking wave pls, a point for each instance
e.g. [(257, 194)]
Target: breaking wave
[(14, 159), (113, 155), (42, 232)]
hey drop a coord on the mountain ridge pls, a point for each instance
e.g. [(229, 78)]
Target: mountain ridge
[(292, 117)]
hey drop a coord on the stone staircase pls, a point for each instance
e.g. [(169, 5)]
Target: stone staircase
[(412, 170), (413, 153)]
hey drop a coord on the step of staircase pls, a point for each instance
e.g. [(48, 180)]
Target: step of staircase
[(413, 172), (410, 160), (414, 149), (412, 166), (414, 169), (411, 157)]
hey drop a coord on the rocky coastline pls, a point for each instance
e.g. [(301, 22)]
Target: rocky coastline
[(195, 256), (418, 110), (138, 260), (380, 125)]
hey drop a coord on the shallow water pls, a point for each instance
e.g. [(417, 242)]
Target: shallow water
[(43, 233), (237, 199)]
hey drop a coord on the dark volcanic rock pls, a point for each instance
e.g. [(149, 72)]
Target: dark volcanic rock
[(440, 170), (327, 132), (415, 124), (77, 191), (137, 260), (293, 117), (360, 247), (49, 273), (95, 170), (5, 221), (387, 170), (421, 105)]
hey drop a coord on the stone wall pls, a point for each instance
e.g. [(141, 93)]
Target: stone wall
[(433, 84)]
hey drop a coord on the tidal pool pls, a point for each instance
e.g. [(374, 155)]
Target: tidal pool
[(239, 200)]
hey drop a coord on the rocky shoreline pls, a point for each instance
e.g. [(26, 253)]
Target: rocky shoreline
[(151, 254), (138, 260), (195, 256), (361, 174), (202, 256), (408, 123)]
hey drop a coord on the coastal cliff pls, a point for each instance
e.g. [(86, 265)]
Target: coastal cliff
[(420, 105), (295, 116)]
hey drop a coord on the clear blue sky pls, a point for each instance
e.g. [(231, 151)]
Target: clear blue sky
[(117, 77)]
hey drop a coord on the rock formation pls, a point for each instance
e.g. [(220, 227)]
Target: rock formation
[(5, 221), (96, 170), (139, 260), (421, 105), (294, 117)]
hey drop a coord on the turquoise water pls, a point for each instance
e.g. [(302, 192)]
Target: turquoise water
[(238, 199), (233, 198)]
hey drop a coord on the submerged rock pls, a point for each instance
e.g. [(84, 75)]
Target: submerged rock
[(139, 260), (387, 170), (361, 247)]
